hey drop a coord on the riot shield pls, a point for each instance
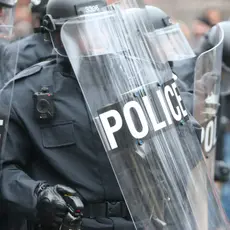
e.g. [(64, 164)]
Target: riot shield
[(206, 97), (7, 67), (7, 73), (7, 70), (141, 119)]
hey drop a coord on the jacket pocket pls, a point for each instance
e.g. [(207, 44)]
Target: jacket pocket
[(58, 135)]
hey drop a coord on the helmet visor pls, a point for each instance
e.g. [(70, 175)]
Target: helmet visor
[(6, 21), (174, 44), (94, 34)]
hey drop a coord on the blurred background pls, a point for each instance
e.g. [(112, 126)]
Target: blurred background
[(195, 16)]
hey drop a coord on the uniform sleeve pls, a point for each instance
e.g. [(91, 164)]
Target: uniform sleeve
[(17, 187)]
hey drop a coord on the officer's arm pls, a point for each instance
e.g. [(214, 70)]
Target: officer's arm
[(16, 186), (188, 102)]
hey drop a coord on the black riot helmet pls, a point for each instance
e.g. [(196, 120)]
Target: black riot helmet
[(226, 49), (158, 17), (225, 80), (208, 41), (39, 6), (38, 9), (171, 39), (60, 11)]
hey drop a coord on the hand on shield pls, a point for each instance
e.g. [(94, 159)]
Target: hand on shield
[(205, 86)]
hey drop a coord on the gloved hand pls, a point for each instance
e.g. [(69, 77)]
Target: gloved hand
[(206, 84), (51, 207)]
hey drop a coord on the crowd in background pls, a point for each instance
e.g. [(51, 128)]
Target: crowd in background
[(203, 21)]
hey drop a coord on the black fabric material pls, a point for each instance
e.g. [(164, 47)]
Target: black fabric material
[(67, 150), (75, 161), (32, 50)]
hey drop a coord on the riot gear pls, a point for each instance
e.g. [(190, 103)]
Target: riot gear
[(158, 17), (122, 80), (39, 6), (58, 12), (226, 52), (175, 46), (7, 17), (208, 41), (225, 90), (7, 8), (51, 205), (220, 70), (171, 38), (117, 104), (207, 92), (72, 8)]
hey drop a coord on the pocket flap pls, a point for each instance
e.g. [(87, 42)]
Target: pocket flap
[(58, 135)]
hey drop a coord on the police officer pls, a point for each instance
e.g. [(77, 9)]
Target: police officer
[(34, 48), (182, 61), (53, 149), (223, 162), (207, 42)]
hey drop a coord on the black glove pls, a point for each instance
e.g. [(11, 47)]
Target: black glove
[(51, 207)]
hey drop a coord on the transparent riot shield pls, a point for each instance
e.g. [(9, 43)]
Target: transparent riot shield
[(7, 73), (206, 97), (141, 119)]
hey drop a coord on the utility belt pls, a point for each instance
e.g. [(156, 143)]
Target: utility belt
[(107, 209), (104, 209)]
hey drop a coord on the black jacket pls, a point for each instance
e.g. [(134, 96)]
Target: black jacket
[(66, 150), (30, 50)]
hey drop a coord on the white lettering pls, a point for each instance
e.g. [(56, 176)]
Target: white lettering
[(110, 130), (202, 134), (177, 116), (134, 105), (208, 142), (178, 97), (91, 9), (164, 106), (215, 132), (156, 126)]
